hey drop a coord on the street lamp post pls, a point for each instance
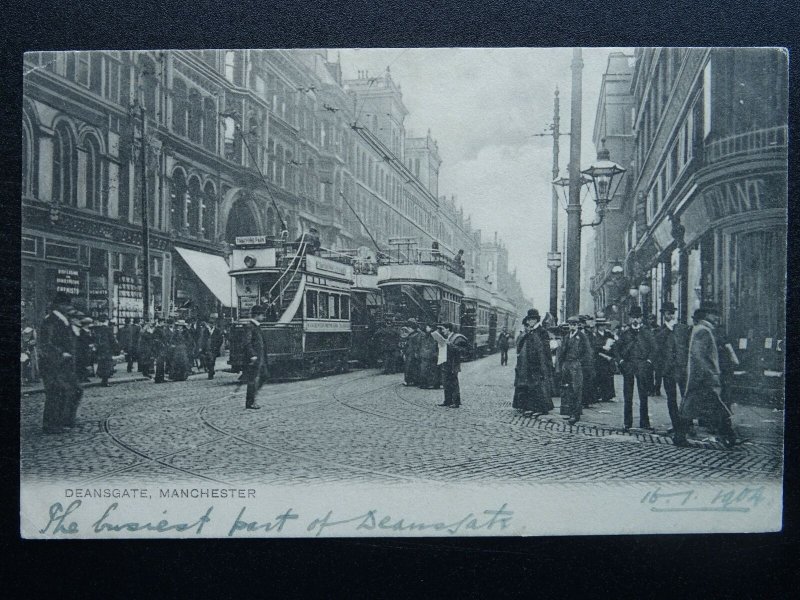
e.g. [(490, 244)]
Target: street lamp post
[(573, 267)]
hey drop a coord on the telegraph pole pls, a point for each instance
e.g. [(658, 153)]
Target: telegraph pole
[(573, 270), (145, 218), (554, 218)]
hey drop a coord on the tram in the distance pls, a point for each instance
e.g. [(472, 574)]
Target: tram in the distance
[(306, 292), (476, 316)]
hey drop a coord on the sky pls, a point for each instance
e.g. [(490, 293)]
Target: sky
[(482, 106)]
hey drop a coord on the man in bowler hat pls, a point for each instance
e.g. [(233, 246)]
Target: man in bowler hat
[(254, 356), (574, 352), (635, 352), (672, 348)]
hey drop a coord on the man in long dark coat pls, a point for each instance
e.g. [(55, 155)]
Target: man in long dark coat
[(255, 356), (671, 358), (106, 345), (503, 343), (703, 380), (456, 347), (162, 340), (635, 352), (532, 372), (57, 347), (210, 345), (182, 345), (145, 350), (572, 355), (411, 354), (603, 345), (586, 325), (84, 347), (429, 374)]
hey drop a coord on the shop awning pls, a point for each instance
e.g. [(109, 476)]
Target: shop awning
[(212, 270)]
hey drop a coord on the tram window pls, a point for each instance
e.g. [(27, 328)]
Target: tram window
[(323, 305), (311, 304), (346, 308), (333, 306)]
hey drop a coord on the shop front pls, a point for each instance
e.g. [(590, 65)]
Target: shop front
[(202, 286)]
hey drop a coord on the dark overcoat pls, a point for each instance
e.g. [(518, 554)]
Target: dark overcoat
[(106, 346), (531, 375)]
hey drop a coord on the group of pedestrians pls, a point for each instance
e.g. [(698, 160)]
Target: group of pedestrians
[(693, 361), (70, 347), (432, 356)]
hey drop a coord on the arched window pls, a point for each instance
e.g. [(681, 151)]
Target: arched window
[(194, 202), (64, 165), (179, 102), (27, 159), (94, 175), (230, 65), (195, 116), (210, 213), (178, 201), (209, 124)]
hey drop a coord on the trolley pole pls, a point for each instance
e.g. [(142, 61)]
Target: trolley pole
[(554, 218)]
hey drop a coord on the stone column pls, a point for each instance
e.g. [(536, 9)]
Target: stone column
[(113, 175)]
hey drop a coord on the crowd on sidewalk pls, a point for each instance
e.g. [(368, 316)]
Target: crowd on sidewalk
[(578, 361)]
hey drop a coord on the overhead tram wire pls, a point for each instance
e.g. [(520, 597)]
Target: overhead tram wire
[(238, 125), (377, 247)]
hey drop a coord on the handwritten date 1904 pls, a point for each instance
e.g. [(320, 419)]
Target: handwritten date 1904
[(731, 499)]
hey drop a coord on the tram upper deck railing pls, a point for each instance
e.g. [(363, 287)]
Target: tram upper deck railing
[(414, 256)]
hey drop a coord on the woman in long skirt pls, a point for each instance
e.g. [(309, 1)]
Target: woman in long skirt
[(107, 346), (429, 373), (531, 385), (181, 367)]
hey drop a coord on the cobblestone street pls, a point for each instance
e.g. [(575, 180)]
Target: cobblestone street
[(366, 426)]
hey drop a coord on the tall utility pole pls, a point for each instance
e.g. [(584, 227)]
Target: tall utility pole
[(145, 218), (554, 218), (573, 270)]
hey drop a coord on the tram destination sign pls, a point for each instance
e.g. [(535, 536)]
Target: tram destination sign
[(250, 240)]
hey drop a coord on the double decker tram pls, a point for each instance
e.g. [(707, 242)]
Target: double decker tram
[(306, 292), (366, 307), (424, 284), (476, 316)]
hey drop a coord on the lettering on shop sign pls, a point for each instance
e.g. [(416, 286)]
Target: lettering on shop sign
[(330, 267), (736, 197)]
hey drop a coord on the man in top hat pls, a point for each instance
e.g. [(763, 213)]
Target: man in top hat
[(161, 342), (586, 326), (672, 347), (57, 346), (703, 398), (603, 346), (255, 356), (411, 353), (635, 353), (575, 351), (503, 342)]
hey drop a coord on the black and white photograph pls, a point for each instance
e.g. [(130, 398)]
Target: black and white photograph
[(360, 292)]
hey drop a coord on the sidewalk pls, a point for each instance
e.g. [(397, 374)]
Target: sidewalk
[(121, 375), (761, 425)]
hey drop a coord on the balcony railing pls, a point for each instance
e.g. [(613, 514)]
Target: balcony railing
[(746, 143)]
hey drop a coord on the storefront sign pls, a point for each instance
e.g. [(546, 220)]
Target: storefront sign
[(736, 197), (69, 281)]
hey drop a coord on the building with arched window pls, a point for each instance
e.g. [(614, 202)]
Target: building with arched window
[(236, 143)]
